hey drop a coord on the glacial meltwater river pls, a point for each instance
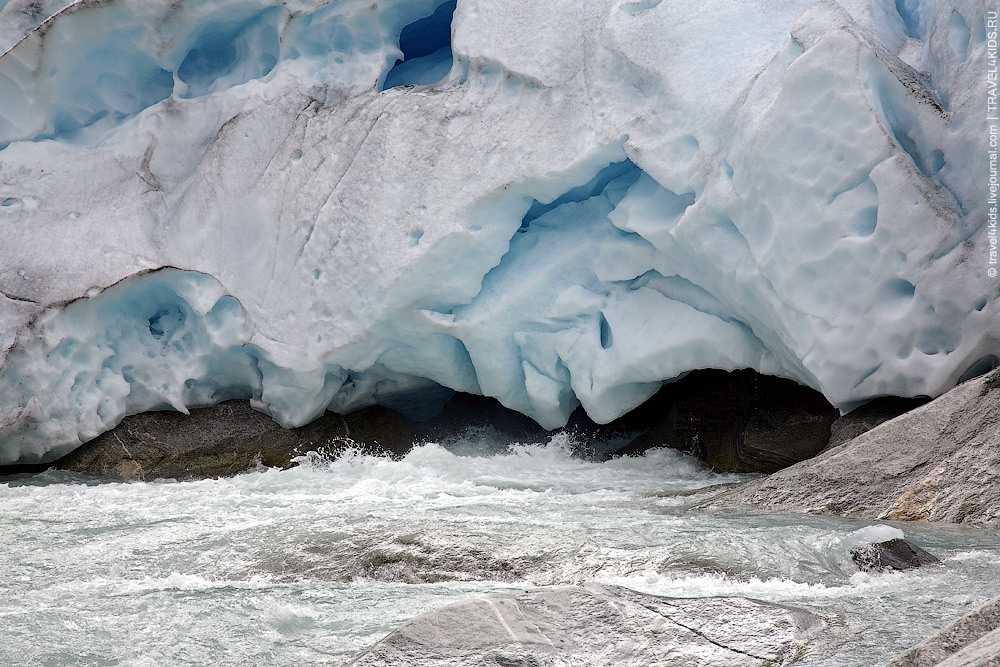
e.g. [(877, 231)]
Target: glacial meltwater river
[(312, 565)]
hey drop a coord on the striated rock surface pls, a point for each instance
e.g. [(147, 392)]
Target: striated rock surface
[(940, 462), (598, 625), (868, 416), (971, 641)]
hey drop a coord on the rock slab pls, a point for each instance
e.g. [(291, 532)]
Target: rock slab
[(868, 416), (971, 641), (940, 462), (597, 625)]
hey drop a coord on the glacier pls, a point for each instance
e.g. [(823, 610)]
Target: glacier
[(319, 204)]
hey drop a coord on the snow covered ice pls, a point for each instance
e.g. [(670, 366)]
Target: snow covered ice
[(331, 204)]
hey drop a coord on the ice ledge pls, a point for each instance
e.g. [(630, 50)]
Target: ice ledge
[(579, 232)]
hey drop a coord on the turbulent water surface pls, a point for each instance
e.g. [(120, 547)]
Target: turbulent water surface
[(314, 564)]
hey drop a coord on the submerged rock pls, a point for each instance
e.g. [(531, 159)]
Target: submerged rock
[(598, 625), (893, 554), (971, 641), (940, 462)]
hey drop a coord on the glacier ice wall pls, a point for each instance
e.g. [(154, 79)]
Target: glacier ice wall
[(319, 204)]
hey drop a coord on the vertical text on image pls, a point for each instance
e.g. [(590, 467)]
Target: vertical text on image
[(992, 118)]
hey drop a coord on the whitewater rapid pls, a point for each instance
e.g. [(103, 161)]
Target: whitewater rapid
[(312, 565)]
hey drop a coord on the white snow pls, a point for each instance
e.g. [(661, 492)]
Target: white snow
[(550, 203)]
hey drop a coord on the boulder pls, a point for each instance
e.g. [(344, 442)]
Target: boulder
[(971, 641), (224, 439), (940, 462), (893, 554), (597, 625)]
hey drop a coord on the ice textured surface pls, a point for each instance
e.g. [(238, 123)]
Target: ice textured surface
[(330, 204)]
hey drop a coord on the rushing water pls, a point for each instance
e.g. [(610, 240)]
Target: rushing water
[(314, 564)]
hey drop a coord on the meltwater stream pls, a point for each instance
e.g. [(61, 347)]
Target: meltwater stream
[(309, 566)]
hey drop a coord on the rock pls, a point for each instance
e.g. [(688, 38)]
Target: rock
[(740, 421), (382, 428), (868, 416), (940, 462), (984, 652), (225, 439), (971, 641), (231, 438), (736, 422), (894, 554), (597, 625)]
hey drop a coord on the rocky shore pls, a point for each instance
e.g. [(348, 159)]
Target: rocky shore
[(939, 462), (734, 422)]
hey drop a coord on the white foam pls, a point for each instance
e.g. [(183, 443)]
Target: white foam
[(318, 562)]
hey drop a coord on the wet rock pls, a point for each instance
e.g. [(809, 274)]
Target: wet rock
[(940, 462), (598, 625), (894, 554), (231, 438), (735, 422), (462, 415), (740, 421), (225, 439), (971, 641)]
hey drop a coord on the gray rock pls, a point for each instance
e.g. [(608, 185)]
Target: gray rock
[(597, 625), (984, 652), (868, 416), (971, 641), (940, 462), (891, 555), (225, 439)]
